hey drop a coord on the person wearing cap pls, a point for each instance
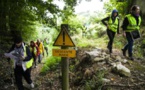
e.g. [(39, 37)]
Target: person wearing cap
[(130, 24), (112, 24), (22, 62)]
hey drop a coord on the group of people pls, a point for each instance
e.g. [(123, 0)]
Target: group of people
[(38, 49), (25, 56), (131, 25)]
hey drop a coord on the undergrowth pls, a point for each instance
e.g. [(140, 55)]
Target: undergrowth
[(50, 64)]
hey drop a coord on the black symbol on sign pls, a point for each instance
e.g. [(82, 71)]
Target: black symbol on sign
[(63, 37)]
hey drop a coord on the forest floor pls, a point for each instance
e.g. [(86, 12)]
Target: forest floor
[(85, 73)]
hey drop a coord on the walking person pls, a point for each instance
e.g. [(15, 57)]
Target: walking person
[(112, 24), (45, 43), (131, 26), (22, 62), (41, 50), (35, 52)]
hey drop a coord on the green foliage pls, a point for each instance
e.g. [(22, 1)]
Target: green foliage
[(100, 75), (122, 7), (90, 85), (96, 82), (92, 42), (26, 17), (71, 3), (45, 68), (75, 25), (71, 67), (84, 43), (50, 64), (89, 27)]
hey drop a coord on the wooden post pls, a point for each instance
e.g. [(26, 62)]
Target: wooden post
[(65, 72)]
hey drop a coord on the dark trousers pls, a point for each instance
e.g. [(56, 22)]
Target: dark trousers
[(111, 36), (19, 73), (129, 45)]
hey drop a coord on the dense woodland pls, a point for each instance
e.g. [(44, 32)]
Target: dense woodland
[(33, 19), (30, 18)]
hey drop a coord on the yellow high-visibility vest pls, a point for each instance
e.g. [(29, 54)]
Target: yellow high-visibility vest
[(41, 48), (29, 63), (113, 26), (133, 23)]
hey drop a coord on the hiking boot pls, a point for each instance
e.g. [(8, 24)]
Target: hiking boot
[(110, 50), (32, 85), (123, 52)]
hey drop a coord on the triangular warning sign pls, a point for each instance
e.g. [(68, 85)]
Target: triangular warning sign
[(64, 39)]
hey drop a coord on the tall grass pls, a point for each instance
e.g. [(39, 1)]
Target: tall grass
[(101, 42), (92, 42)]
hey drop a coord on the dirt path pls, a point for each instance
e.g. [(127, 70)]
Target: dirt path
[(35, 71)]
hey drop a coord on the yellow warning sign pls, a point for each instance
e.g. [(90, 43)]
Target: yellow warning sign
[(64, 53), (63, 38)]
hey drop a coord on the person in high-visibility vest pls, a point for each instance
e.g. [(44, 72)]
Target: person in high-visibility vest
[(22, 57), (131, 23), (45, 43), (112, 24)]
